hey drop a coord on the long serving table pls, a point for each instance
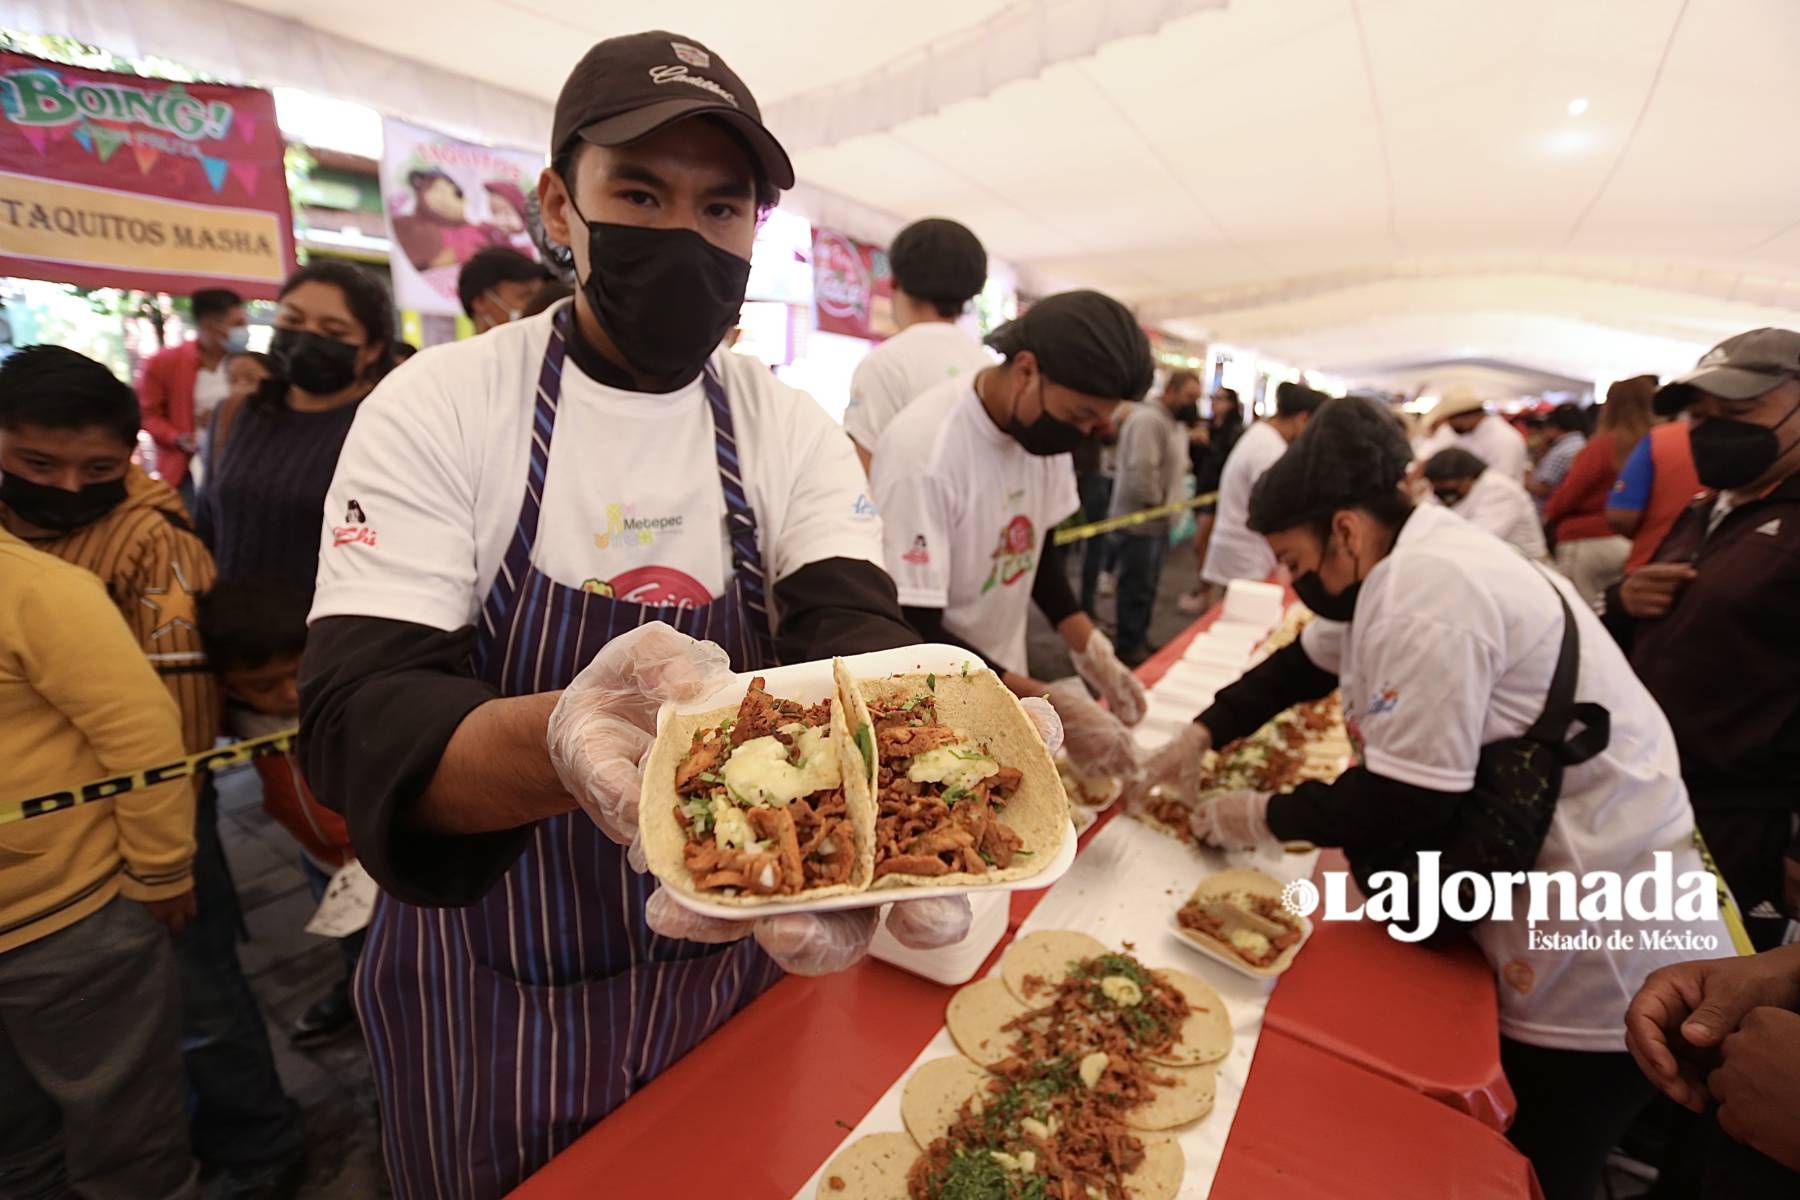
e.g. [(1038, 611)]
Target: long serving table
[(1376, 1074)]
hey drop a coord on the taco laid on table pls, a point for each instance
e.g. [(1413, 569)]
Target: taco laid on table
[(768, 801), (965, 792)]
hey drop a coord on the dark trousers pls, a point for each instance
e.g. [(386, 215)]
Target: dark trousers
[(1748, 844), (1574, 1106), (1096, 497), (1140, 571), (242, 1120), (90, 1063)]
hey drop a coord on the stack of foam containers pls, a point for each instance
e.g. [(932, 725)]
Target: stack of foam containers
[(1214, 659)]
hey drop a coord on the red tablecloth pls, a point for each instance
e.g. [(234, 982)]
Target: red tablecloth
[(811, 1056)]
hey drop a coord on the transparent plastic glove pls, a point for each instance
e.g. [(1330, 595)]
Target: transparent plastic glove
[(1049, 725), (818, 943), (1176, 767), (1233, 821), (1094, 739), (604, 723), (1103, 672)]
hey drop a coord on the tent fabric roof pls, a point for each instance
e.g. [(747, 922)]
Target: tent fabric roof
[(1339, 183)]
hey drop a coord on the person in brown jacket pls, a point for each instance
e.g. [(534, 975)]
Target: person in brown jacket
[(90, 1040), (68, 487)]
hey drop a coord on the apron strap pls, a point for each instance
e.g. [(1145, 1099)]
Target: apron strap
[(740, 520)]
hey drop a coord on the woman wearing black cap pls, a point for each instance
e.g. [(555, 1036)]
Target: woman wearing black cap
[(553, 528), (1450, 651), (938, 266), (972, 481)]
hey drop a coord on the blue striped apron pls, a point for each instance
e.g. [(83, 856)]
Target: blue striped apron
[(501, 1031)]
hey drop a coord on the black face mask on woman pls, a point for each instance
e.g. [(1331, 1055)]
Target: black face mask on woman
[(312, 362), (1045, 435), (55, 508), (665, 296), (1733, 454), (1339, 607)]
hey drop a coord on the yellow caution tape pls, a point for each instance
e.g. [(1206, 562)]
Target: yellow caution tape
[(1078, 533), (1728, 909), (117, 785)]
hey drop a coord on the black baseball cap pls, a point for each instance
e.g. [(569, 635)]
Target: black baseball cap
[(939, 259), (1083, 340), (626, 88)]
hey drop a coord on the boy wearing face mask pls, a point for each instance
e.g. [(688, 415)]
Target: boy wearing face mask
[(1711, 621), (497, 285), (181, 386), (68, 488), (972, 479)]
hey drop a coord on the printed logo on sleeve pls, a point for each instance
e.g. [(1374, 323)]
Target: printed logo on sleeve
[(355, 530), (864, 508), (918, 554), (1384, 701)]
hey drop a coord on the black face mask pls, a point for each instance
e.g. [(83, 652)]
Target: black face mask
[(1311, 590), (1733, 454), (1045, 435), (312, 362), (1187, 414), (665, 296), (54, 508)]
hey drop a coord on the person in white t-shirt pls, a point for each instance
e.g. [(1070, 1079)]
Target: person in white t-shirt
[(1461, 419), (1487, 500), (939, 266), (1234, 552), (1443, 646), (972, 480)]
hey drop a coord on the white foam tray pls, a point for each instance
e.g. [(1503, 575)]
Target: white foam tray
[(811, 682)]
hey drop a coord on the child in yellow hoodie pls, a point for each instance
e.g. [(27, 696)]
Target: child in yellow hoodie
[(91, 1083)]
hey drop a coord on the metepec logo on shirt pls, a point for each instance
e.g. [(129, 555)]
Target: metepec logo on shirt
[(1015, 556), (626, 527)]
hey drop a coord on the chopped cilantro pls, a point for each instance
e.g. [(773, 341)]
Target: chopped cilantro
[(931, 682), (987, 858), (965, 668), (865, 741), (955, 794), (712, 777), (968, 756)]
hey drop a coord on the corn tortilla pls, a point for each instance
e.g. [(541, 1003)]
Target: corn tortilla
[(1206, 1034), (935, 1094), (1158, 1177), (977, 1016), (1047, 955), (1181, 1102), (871, 1168)]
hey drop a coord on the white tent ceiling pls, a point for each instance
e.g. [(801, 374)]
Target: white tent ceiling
[(1359, 186)]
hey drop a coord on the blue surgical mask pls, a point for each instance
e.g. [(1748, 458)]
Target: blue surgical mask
[(237, 339)]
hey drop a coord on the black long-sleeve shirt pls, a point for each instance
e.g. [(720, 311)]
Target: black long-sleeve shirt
[(380, 700)]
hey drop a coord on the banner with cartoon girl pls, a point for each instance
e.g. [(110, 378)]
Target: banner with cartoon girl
[(445, 200)]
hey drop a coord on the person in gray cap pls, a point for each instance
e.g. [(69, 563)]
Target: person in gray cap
[(535, 538), (938, 267), (972, 480)]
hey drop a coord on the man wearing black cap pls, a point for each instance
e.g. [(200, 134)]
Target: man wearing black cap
[(1722, 594), (497, 285), (972, 480), (938, 266), (560, 525)]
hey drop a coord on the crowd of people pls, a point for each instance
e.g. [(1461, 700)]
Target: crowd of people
[(474, 621)]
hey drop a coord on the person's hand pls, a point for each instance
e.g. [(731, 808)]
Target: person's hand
[(1757, 1085), (1100, 667), (1791, 886), (1650, 591), (605, 720), (1096, 742), (175, 912), (1176, 767), (819, 943), (188, 442), (1233, 821), (1683, 1012)]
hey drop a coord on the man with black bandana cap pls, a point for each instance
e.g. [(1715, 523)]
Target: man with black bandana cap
[(972, 480), (552, 529)]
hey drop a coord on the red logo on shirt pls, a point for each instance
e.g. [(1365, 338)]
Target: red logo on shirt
[(1015, 556), (918, 555), (655, 586), (355, 529)]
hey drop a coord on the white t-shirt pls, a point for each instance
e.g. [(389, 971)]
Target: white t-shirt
[(210, 390), (1452, 647), (894, 373), (1494, 442), (428, 488), (1234, 552), (964, 514), (1502, 506)]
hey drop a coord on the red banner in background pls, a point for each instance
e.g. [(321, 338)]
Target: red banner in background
[(111, 180), (853, 289)]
